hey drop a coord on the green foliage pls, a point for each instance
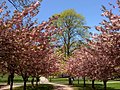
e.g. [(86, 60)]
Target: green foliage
[(70, 18), (73, 32)]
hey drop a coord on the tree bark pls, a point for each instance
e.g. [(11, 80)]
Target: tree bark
[(9, 78), (32, 82), (78, 80), (24, 88), (11, 81), (93, 85), (37, 80), (105, 85), (25, 81), (70, 81), (84, 81), (50, 79)]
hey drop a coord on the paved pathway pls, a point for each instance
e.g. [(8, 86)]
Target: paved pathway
[(57, 86), (42, 81), (15, 85), (45, 81), (61, 87)]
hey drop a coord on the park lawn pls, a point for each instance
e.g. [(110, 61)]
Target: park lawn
[(17, 79), (39, 87), (111, 85), (60, 80)]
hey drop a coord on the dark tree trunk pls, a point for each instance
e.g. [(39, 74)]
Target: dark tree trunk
[(105, 85), (84, 81), (70, 81), (24, 88), (93, 85), (37, 80), (68, 53), (78, 80), (25, 81), (50, 79), (11, 81), (9, 78), (32, 82)]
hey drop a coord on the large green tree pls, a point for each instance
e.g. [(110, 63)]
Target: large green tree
[(73, 31)]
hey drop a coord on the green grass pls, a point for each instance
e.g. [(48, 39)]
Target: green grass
[(40, 87), (17, 79), (111, 85), (60, 80)]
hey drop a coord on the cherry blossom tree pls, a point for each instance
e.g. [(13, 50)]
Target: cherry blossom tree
[(76, 65), (105, 47), (103, 52), (23, 46), (21, 4), (36, 46), (9, 50)]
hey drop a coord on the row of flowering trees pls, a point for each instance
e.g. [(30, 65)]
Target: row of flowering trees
[(26, 47), (100, 58)]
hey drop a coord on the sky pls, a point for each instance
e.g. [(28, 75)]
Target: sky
[(90, 9)]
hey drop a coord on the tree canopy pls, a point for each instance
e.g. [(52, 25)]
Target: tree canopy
[(73, 31)]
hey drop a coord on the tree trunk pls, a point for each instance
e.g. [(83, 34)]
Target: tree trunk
[(37, 80), (50, 78), (25, 81), (32, 82), (11, 81), (93, 84), (70, 81), (9, 78), (105, 85), (84, 81), (78, 80), (24, 88)]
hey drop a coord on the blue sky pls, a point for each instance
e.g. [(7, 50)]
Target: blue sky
[(90, 9)]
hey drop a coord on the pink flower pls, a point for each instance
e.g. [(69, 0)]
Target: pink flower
[(1, 10)]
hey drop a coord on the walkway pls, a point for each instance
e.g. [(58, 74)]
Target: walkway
[(15, 85), (57, 86), (43, 80), (61, 87)]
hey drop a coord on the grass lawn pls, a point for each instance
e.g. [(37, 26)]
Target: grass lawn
[(111, 85), (60, 80), (40, 87), (17, 79)]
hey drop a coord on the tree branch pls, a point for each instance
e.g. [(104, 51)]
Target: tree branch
[(13, 4)]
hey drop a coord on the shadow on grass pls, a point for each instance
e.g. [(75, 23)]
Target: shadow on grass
[(89, 87), (2, 86), (40, 87)]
